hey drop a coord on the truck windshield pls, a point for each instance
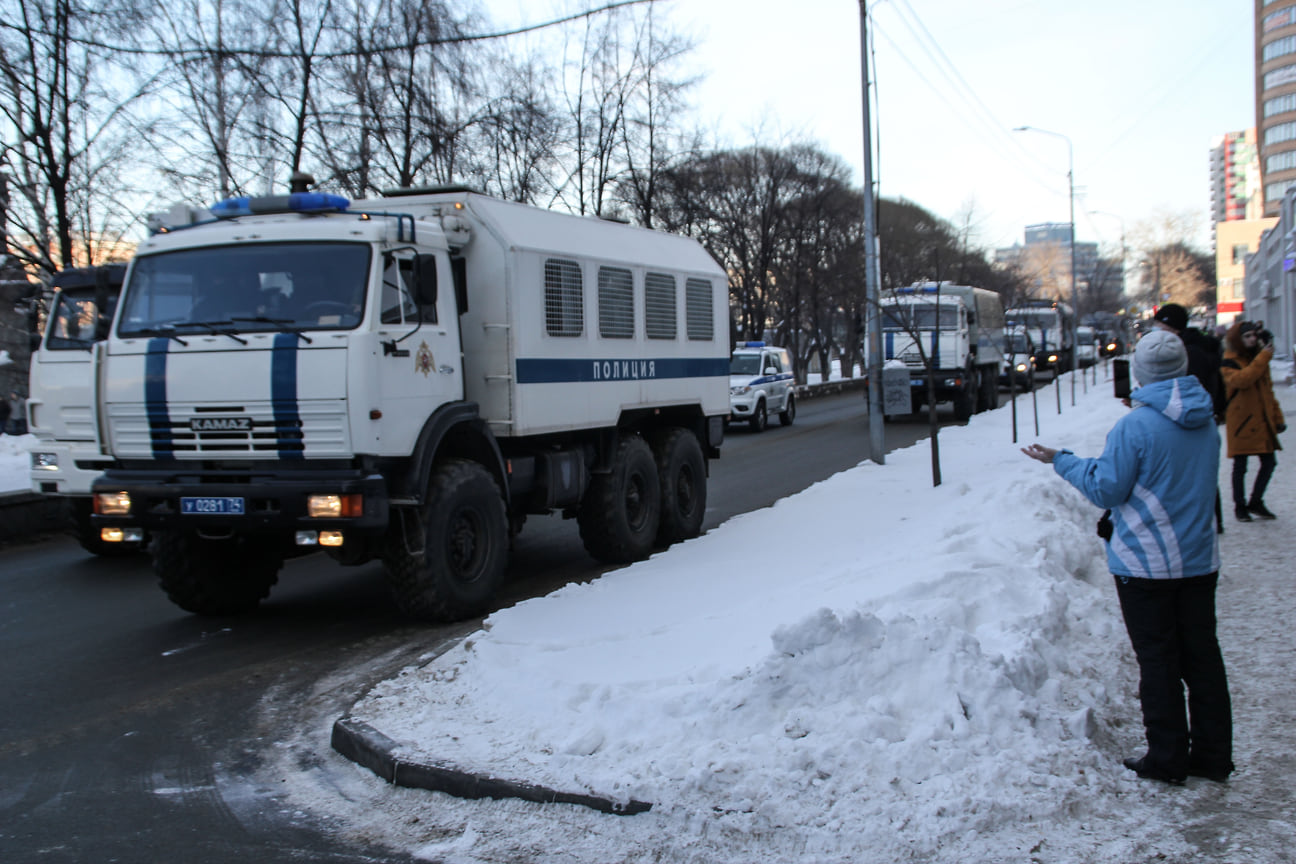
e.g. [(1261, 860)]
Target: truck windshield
[(745, 364), (1042, 318), (1017, 343), (266, 286), (903, 316), (73, 321)]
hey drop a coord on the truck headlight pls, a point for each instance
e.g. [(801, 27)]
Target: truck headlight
[(334, 506), (112, 503), (44, 461), (738, 391), (1052, 358)]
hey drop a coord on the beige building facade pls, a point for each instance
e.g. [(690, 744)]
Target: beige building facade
[(1234, 241)]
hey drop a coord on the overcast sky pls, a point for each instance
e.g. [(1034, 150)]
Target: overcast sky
[(1139, 88)]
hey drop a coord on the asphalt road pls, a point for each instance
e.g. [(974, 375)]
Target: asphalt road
[(134, 732)]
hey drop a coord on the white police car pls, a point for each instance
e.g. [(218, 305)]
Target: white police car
[(761, 381)]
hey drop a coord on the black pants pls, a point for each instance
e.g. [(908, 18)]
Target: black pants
[(1267, 463), (1171, 624)]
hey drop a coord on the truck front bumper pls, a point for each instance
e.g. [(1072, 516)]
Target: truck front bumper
[(267, 503)]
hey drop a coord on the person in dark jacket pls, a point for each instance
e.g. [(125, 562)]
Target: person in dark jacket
[(1204, 365), (1156, 475), (4, 415), (1203, 352), (1253, 417)]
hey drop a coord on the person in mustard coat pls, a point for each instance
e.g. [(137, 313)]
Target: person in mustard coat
[(1252, 416)]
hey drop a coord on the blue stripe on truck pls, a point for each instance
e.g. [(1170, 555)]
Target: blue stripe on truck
[(283, 395), (536, 370), (155, 397)]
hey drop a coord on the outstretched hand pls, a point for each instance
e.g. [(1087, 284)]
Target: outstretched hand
[(1040, 453)]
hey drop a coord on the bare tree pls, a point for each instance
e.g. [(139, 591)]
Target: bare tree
[(519, 136), (215, 51), (650, 139), (62, 104), (1170, 269)]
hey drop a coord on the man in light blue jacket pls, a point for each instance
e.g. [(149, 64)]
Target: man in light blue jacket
[(1158, 474)]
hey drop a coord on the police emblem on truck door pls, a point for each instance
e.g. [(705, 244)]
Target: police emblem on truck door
[(423, 361)]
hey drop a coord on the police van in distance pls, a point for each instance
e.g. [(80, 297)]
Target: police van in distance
[(761, 381)]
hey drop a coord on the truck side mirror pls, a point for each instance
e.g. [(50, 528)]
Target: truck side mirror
[(34, 341), (425, 280), (102, 325)]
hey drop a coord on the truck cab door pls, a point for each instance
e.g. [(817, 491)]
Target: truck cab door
[(420, 367), (63, 369)]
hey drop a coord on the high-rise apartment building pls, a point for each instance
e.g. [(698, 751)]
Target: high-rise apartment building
[(1235, 214), (1275, 90), (1235, 177)]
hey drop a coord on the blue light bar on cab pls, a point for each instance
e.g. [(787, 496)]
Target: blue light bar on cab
[(297, 202), (753, 344)]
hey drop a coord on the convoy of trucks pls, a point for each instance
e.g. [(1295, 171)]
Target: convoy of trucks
[(408, 378), (951, 338), (403, 379), (1049, 325)]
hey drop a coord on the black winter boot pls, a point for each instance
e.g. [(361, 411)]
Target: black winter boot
[(1243, 514), (1258, 508)]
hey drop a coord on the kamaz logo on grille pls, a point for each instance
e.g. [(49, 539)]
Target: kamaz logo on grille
[(221, 424)]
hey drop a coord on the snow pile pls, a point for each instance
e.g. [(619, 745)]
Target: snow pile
[(873, 664)]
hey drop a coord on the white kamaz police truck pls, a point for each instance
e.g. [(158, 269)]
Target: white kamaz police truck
[(405, 379), (69, 454), (956, 329)]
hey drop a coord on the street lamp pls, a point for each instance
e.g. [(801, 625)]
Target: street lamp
[(1075, 302)]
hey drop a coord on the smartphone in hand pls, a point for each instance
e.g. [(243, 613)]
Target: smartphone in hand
[(1121, 377)]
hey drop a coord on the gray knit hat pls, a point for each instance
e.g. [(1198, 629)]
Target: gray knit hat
[(1159, 356)]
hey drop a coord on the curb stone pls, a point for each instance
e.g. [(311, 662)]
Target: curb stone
[(366, 746)]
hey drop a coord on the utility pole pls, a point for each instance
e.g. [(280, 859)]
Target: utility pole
[(872, 273)]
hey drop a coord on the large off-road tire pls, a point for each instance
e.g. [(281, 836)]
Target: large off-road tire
[(681, 474), (88, 536), (446, 560), (989, 396), (622, 508), (965, 401), (788, 414), (214, 577), (760, 417)]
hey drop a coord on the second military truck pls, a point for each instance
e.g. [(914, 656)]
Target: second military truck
[(406, 379), (951, 336)]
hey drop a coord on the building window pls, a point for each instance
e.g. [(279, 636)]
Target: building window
[(1280, 133), (698, 310), (1240, 252), (1280, 162), (564, 298), (616, 303), (1279, 48), (1276, 191), (1279, 77), (1278, 19), (1280, 105), (659, 306)]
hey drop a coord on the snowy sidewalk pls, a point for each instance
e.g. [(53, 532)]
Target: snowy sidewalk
[(871, 670), (1253, 817)]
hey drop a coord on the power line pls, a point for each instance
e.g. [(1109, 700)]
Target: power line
[(979, 122), (265, 54)]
